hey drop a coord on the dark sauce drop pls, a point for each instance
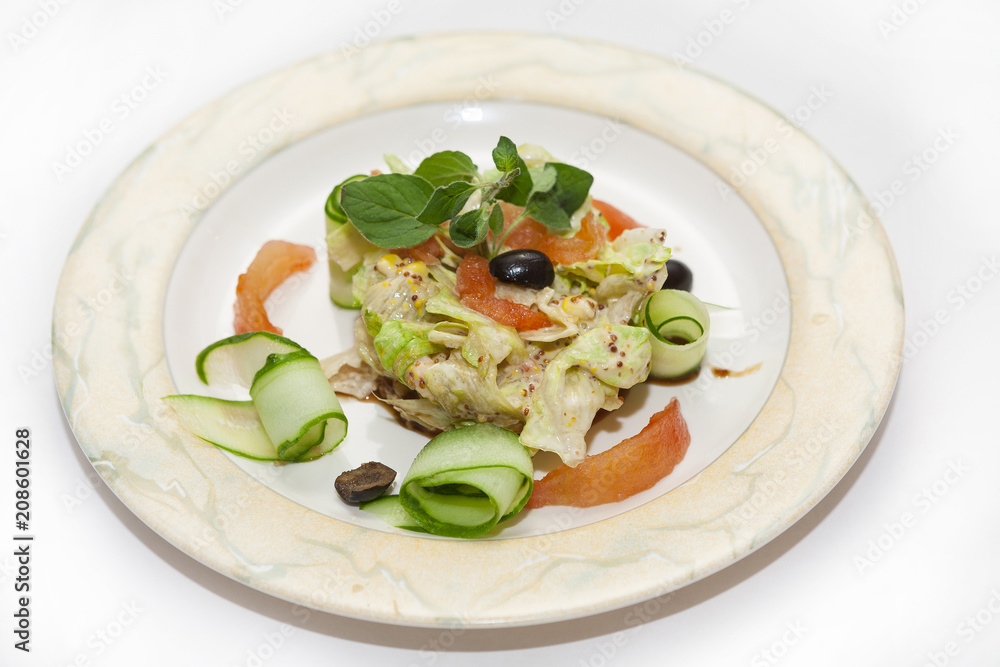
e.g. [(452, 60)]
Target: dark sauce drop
[(727, 373)]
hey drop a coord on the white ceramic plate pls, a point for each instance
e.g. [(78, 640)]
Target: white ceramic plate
[(789, 247)]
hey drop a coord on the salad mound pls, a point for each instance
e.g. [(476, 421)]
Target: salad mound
[(499, 310), (446, 343)]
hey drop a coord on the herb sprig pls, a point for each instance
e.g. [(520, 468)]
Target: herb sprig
[(399, 210)]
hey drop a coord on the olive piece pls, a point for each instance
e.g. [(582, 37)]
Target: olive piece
[(367, 482), (525, 267), (679, 276)]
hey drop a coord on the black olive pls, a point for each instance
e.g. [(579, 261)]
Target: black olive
[(367, 482), (678, 276), (528, 268)]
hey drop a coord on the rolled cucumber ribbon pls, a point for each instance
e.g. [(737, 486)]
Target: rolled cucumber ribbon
[(462, 483), (679, 323), (293, 414), (345, 248)]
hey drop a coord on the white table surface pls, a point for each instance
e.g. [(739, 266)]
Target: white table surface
[(894, 567)]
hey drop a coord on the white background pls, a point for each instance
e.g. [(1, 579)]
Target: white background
[(849, 584)]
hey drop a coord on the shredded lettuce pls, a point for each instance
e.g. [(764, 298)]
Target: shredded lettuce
[(453, 366), (578, 382)]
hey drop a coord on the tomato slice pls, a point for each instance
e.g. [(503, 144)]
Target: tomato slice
[(476, 287), (583, 245), (275, 261), (633, 465), (428, 252), (618, 221)]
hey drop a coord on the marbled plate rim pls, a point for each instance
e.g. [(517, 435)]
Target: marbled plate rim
[(112, 372)]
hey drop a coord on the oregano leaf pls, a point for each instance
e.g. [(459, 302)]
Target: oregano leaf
[(555, 207), (470, 228), (446, 167), (384, 209), (446, 202), (517, 192), (496, 220), (505, 155)]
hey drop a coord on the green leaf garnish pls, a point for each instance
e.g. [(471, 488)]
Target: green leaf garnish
[(401, 210), (496, 220), (470, 228), (520, 187), (334, 211), (446, 167), (555, 206), (384, 208), (505, 155), (446, 202)]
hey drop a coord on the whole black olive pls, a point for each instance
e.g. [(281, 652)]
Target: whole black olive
[(528, 268), (678, 276), (367, 482)]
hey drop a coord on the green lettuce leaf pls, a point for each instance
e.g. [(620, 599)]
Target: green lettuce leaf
[(578, 382)]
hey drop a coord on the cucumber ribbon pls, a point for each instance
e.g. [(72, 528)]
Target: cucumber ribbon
[(461, 484), (293, 414), (679, 323), (345, 249)]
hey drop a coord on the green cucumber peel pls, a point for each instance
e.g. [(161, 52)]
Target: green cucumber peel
[(390, 511), (335, 215), (464, 482), (293, 414), (342, 287), (672, 316), (235, 360), (346, 251)]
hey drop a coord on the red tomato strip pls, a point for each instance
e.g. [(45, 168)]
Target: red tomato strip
[(476, 286), (428, 252), (631, 466), (584, 245), (275, 261), (618, 221)]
